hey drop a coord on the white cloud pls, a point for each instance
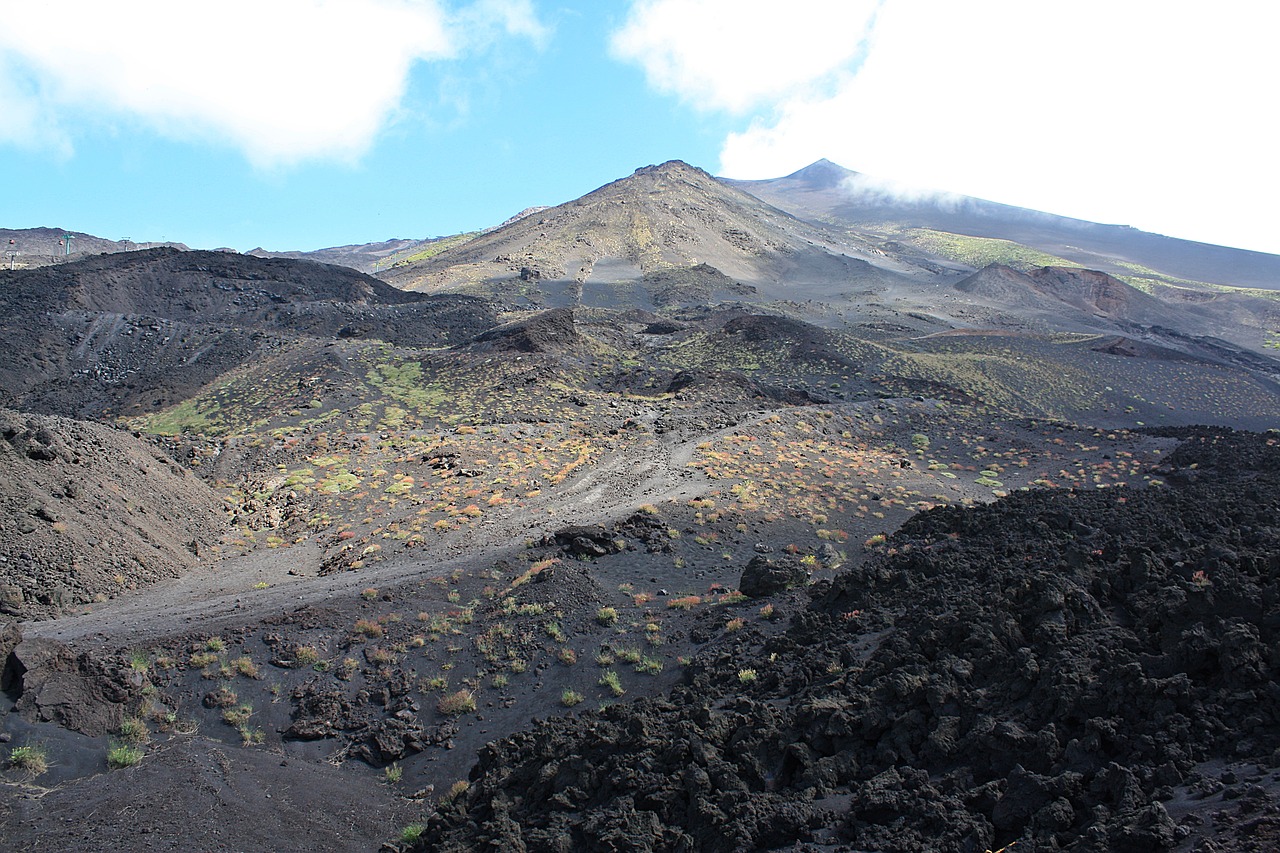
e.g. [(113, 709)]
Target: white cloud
[(735, 54), (283, 81), (1149, 112), (25, 124), (485, 21)]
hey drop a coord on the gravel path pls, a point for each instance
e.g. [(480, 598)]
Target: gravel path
[(652, 470)]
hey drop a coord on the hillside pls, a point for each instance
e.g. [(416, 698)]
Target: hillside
[(124, 333), (828, 193), (662, 218), (36, 247), (91, 513)]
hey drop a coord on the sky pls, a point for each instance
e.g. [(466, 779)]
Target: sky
[(302, 124)]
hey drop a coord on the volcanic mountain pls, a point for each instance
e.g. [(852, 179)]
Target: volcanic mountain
[(664, 218), (828, 193)]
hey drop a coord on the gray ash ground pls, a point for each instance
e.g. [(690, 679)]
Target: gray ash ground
[(1069, 670)]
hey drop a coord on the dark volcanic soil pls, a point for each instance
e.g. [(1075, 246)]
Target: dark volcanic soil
[(229, 799), (1051, 669), (88, 512)]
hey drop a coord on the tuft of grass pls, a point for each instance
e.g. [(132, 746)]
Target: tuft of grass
[(368, 628), (570, 697), (457, 789), (306, 655), (223, 697), (456, 704), (33, 759), (202, 659), (245, 666), (251, 737), (238, 715), (411, 833), (134, 731), (606, 615), (123, 755), (746, 676), (648, 665), (612, 682), (392, 773), (628, 655)]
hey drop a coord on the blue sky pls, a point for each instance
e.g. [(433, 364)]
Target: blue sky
[(299, 124)]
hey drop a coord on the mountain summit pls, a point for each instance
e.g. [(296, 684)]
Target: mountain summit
[(660, 218)]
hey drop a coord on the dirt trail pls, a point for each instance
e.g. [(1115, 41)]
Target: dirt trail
[(221, 594)]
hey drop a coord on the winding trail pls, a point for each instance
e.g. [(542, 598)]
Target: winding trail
[(650, 470)]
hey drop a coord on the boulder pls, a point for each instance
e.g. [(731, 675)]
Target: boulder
[(764, 576)]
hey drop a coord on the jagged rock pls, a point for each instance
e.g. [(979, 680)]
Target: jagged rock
[(77, 691), (764, 576), (549, 331), (580, 541)]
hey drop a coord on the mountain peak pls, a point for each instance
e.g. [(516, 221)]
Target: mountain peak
[(822, 174), (671, 167)]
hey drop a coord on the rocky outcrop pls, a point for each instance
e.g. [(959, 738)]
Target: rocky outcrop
[(763, 576), (548, 332), (78, 691)]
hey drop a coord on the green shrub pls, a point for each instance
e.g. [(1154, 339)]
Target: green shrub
[(455, 704), (612, 682), (134, 730), (33, 759), (123, 755)]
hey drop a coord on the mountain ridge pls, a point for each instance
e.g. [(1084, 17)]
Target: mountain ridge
[(821, 191)]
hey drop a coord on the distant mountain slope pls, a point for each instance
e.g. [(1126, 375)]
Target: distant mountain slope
[(42, 246), (826, 192), (660, 218), (1049, 289), (149, 328), (364, 257)]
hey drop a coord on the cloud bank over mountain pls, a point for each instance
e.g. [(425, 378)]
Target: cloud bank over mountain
[(1113, 113)]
